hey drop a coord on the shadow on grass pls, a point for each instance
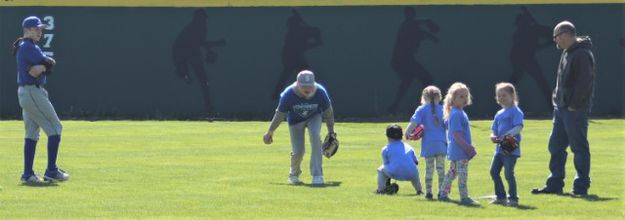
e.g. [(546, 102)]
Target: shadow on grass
[(520, 207), (466, 205), (523, 207), (39, 184), (590, 197), (327, 184)]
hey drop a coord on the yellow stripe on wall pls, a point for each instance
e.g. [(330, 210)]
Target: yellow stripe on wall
[(260, 3)]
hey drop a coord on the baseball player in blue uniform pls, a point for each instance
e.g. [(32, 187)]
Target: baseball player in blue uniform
[(303, 104), (32, 68)]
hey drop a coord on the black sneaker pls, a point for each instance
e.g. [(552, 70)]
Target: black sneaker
[(429, 196), (419, 193), (545, 191)]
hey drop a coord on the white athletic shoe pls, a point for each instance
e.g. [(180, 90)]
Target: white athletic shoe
[(317, 180), (294, 180)]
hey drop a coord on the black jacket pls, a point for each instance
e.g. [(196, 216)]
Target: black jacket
[(576, 77)]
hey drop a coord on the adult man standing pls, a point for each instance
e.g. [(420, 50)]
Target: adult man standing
[(572, 100), (303, 103), (33, 66)]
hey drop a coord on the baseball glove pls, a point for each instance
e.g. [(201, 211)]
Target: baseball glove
[(417, 133), (49, 65), (391, 188), (508, 144), (330, 145)]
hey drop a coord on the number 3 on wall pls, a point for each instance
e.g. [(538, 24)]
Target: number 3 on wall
[(49, 20)]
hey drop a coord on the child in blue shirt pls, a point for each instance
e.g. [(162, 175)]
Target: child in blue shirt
[(434, 143), (460, 149), (508, 121), (400, 162)]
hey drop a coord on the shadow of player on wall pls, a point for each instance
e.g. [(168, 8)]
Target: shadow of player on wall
[(187, 53), (529, 37), (299, 38), (412, 32)]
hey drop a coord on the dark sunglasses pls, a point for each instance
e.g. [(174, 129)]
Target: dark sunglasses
[(555, 36)]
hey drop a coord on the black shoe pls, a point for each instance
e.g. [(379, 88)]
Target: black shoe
[(419, 193), (545, 191), (429, 196)]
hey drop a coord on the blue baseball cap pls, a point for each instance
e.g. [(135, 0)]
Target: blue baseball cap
[(33, 21)]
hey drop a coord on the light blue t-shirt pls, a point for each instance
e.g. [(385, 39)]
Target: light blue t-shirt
[(300, 109), (506, 119), (399, 161), (458, 121), (434, 141)]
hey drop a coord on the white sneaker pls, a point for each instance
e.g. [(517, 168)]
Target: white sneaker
[(317, 180), (294, 180)]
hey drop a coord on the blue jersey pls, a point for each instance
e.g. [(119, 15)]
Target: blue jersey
[(300, 109), (458, 122), (434, 141), (506, 119), (399, 161), (29, 54)]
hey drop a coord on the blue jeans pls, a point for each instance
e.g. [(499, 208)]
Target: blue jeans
[(508, 162), (569, 128)]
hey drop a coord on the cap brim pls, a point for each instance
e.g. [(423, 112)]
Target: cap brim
[(42, 26), (307, 84)]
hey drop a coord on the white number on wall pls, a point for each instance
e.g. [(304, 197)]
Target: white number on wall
[(48, 39), (50, 21)]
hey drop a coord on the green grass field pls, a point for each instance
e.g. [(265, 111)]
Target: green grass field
[(153, 169)]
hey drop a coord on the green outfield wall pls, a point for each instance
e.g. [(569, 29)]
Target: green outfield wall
[(172, 61)]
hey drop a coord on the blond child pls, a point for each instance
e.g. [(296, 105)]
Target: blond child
[(434, 143), (460, 149)]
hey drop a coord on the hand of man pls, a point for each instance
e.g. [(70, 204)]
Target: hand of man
[(51, 60), (268, 137), (36, 70)]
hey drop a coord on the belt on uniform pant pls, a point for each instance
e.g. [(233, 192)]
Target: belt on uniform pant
[(36, 85)]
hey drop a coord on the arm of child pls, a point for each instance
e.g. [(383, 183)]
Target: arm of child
[(411, 126), (467, 148), (414, 158), (494, 138), (515, 131), (415, 120), (493, 129), (384, 156)]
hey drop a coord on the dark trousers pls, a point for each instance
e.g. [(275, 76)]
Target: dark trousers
[(570, 128), (508, 162)]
